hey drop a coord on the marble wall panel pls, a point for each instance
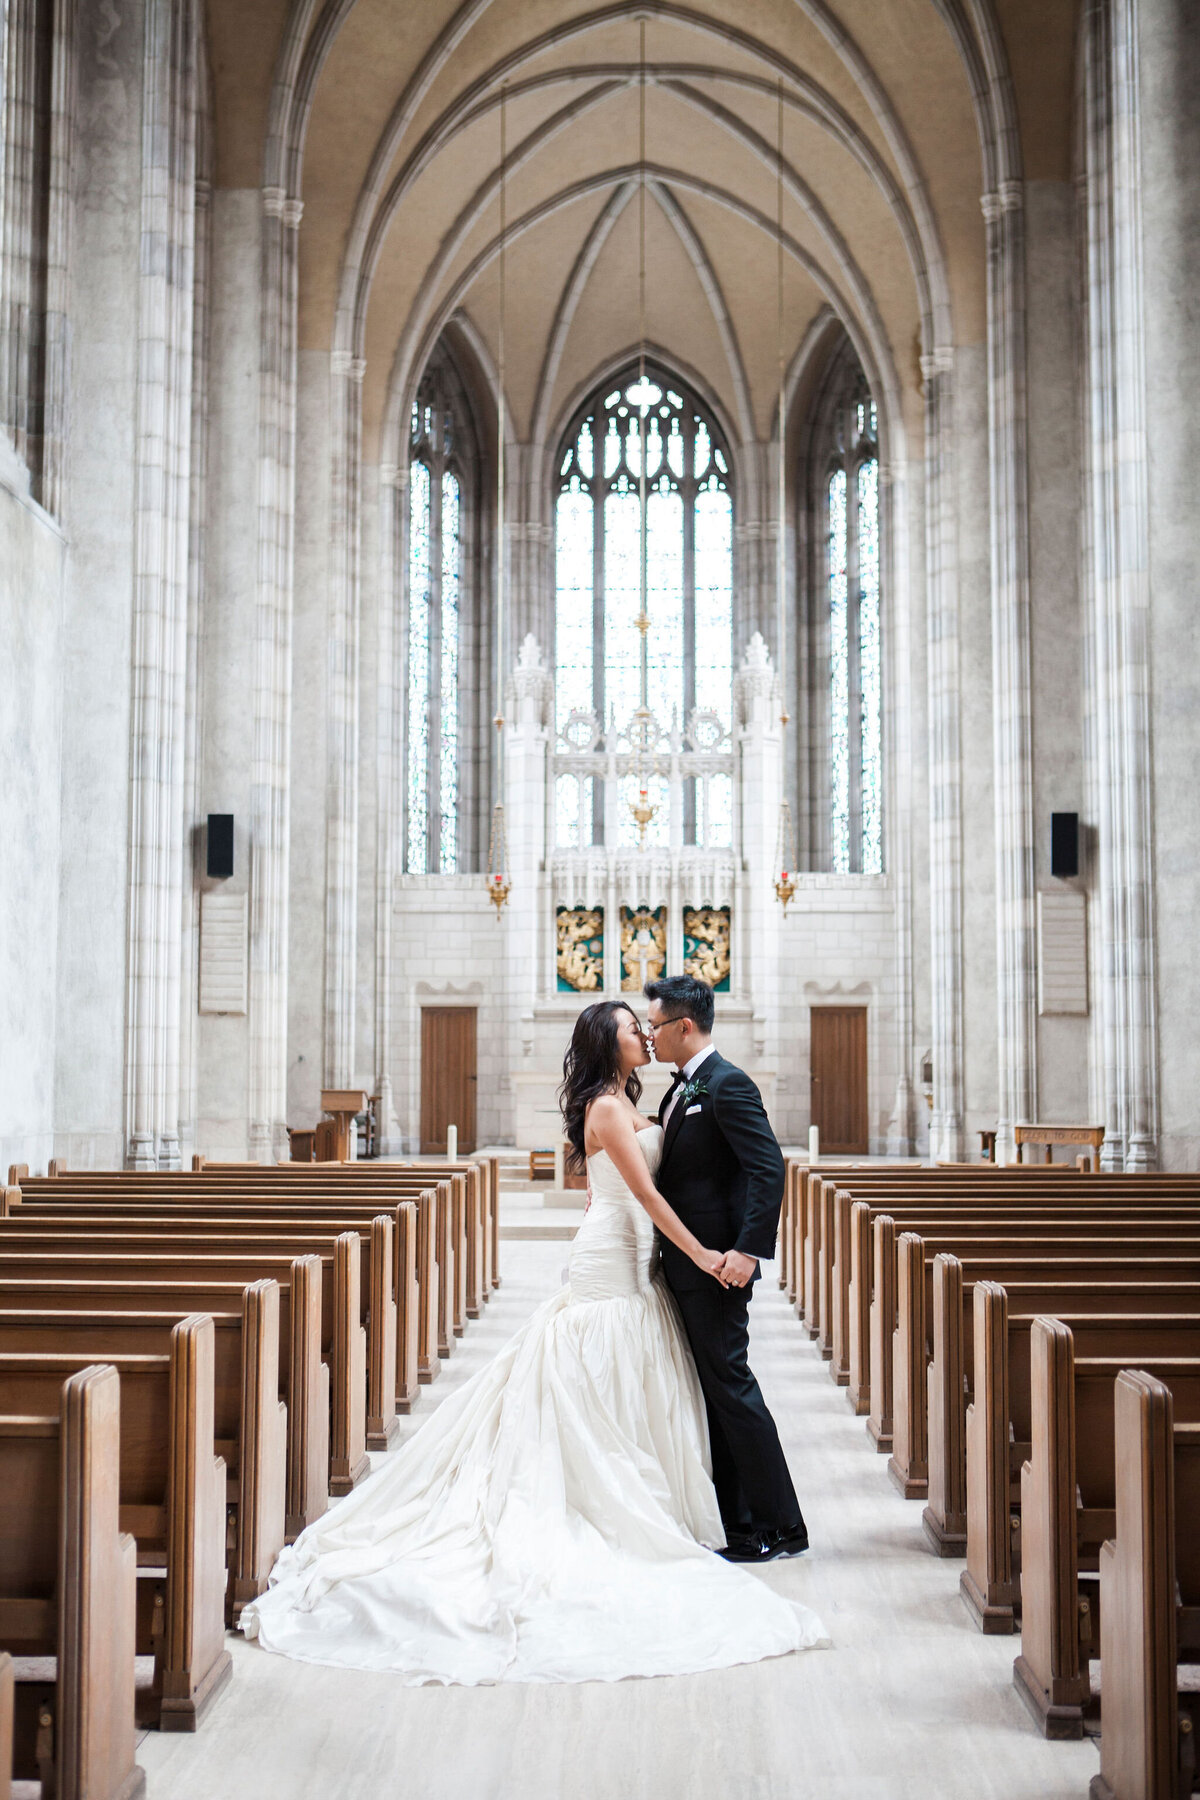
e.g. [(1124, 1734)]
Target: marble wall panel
[(310, 665), (1054, 498), (1169, 55), (95, 661), (979, 861), (32, 561), (227, 646)]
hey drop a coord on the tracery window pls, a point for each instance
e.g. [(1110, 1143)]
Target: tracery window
[(435, 592), (688, 533), (851, 506)]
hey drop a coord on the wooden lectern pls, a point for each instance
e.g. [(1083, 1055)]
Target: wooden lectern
[(344, 1106)]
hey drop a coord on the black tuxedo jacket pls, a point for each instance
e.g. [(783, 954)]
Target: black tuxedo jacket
[(721, 1170)]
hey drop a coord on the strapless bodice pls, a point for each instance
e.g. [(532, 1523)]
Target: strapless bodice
[(615, 1252)]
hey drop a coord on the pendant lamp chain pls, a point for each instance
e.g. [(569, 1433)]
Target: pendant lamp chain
[(499, 882), (785, 858), (643, 729)]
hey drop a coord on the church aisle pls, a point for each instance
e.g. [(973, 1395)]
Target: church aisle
[(911, 1704)]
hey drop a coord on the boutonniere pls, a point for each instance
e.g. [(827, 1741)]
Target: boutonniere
[(691, 1090)]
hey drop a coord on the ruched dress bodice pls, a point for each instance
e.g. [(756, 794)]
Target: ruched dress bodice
[(615, 1253), (549, 1522)]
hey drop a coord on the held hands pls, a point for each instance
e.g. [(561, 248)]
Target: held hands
[(713, 1263), (735, 1270)]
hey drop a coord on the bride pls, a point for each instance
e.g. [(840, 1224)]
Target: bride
[(555, 1519)]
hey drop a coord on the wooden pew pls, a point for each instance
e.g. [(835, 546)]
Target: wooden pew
[(410, 1275), (916, 1209), (457, 1270), (479, 1225), (249, 1418), (1130, 1318), (890, 1190), (1150, 1599), (343, 1336), (172, 1501), (303, 1372), (68, 1594), (1068, 1497), (1099, 1257), (137, 1229), (852, 1263)]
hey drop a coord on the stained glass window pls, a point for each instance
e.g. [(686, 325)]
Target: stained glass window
[(435, 596), (855, 661), (687, 542)]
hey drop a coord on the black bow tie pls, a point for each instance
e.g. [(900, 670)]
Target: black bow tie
[(675, 1081)]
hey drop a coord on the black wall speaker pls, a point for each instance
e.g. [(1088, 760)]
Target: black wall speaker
[(220, 846), (1064, 844)]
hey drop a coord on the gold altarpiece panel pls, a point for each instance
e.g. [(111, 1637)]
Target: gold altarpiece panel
[(580, 949), (643, 946), (706, 945)]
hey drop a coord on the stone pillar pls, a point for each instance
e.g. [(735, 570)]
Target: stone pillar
[(945, 761), (759, 739), (898, 782), (270, 791), (1119, 598), (389, 780), (1012, 702), (528, 709), (193, 673), (161, 522), (35, 234), (341, 783)]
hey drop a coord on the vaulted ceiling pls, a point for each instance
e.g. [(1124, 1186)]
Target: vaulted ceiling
[(385, 118)]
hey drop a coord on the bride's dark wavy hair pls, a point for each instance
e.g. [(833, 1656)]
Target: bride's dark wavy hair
[(591, 1067)]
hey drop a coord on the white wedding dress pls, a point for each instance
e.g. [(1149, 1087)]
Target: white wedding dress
[(548, 1523)]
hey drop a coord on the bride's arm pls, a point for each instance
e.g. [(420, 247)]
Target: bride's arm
[(614, 1131)]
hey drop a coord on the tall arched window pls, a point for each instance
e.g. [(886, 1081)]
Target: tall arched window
[(688, 533), (438, 482), (851, 507)]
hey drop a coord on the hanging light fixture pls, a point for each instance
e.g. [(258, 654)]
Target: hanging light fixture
[(785, 855), (499, 882), (643, 730)]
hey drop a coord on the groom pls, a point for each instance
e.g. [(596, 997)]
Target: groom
[(722, 1171)]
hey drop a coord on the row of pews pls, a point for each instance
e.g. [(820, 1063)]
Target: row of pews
[(191, 1366), (1024, 1346)]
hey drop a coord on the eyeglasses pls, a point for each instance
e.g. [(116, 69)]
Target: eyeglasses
[(663, 1023)]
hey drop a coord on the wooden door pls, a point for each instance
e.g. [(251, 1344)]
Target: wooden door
[(448, 1080), (838, 1065)]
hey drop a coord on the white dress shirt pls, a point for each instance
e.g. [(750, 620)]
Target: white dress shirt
[(689, 1069)]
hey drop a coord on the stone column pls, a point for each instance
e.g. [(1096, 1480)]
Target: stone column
[(898, 782), (161, 521), (528, 712), (270, 793), (389, 779), (758, 736), (1119, 600), (35, 234), (341, 783), (1012, 703), (945, 761)]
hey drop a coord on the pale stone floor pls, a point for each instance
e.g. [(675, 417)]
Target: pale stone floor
[(910, 1704)]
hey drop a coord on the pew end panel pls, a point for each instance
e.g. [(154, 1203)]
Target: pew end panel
[(348, 1460), (1143, 1744), (945, 1517), (263, 1468), (883, 1324), (1049, 1674), (986, 1585), (195, 1664), (908, 1464)]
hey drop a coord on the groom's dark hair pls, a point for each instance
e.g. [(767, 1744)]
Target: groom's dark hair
[(685, 998)]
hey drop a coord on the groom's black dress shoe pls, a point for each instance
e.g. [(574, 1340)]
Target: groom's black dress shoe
[(764, 1546)]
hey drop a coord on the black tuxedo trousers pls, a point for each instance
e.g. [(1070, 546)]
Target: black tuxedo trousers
[(722, 1172)]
